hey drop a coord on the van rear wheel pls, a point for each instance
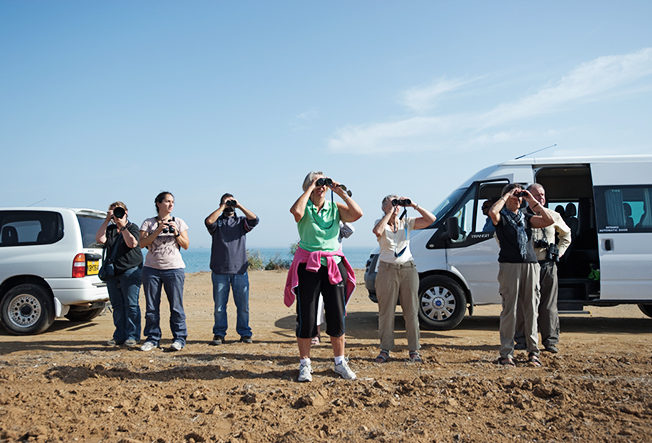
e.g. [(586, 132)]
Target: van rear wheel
[(27, 309), (442, 303), (646, 309)]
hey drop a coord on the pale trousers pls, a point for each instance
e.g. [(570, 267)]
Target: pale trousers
[(397, 282), (548, 320), (519, 290)]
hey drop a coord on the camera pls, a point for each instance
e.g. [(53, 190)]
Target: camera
[(169, 229), (324, 181), (119, 212), (405, 202), (231, 203)]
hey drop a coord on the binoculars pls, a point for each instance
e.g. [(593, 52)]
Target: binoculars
[(169, 229), (405, 202), (324, 181), (231, 203)]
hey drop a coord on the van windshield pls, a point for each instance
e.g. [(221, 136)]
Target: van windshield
[(447, 204)]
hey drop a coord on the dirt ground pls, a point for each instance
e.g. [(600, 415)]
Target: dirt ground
[(65, 385)]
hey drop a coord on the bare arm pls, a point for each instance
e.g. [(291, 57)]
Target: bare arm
[(299, 206), (212, 218), (100, 235), (147, 239), (183, 240), (379, 229), (542, 217), (427, 218), (494, 211), (349, 210), (247, 213)]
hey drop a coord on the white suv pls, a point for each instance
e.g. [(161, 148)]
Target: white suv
[(48, 267)]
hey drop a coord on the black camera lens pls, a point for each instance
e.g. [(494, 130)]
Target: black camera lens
[(324, 181), (231, 203), (118, 212)]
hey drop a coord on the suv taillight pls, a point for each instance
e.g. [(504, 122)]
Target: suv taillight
[(79, 266)]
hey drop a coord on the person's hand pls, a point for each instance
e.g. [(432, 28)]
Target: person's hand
[(109, 214), (121, 222)]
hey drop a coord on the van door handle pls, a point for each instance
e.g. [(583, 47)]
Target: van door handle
[(607, 245)]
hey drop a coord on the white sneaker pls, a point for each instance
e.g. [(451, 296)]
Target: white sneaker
[(148, 346), (305, 373), (344, 371), (176, 346)]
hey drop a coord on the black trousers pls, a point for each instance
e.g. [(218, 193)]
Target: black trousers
[(310, 285)]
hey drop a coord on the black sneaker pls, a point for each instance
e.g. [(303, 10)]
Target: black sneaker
[(217, 340), (552, 349), (245, 339)]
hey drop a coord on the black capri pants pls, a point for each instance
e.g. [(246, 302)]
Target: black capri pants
[(310, 285)]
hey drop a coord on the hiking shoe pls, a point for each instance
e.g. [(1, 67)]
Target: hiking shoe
[(551, 348), (111, 342), (176, 346), (148, 346), (305, 373), (245, 339), (217, 340), (131, 343), (344, 371)]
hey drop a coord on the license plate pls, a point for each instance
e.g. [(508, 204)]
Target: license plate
[(92, 267)]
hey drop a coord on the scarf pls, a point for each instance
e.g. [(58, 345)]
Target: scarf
[(517, 222)]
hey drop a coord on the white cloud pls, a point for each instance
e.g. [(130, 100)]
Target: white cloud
[(422, 99), (599, 79)]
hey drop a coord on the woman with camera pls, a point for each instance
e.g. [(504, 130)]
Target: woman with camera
[(164, 236), (397, 278), (320, 266), (120, 238), (518, 274)]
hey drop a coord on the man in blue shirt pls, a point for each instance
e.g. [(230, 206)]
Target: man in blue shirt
[(229, 265)]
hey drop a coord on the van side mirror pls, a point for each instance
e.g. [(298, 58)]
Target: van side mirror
[(452, 228)]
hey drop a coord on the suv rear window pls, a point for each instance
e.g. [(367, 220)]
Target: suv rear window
[(89, 226), (22, 228)]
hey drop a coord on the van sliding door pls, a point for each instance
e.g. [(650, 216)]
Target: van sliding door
[(623, 198)]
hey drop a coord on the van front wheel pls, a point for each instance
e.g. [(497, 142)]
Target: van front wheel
[(442, 302), (646, 309)]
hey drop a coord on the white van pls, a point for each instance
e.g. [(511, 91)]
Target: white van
[(607, 203)]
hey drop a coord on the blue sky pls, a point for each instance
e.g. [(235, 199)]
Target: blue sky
[(104, 101)]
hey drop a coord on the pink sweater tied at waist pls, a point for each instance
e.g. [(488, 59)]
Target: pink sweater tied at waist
[(313, 263)]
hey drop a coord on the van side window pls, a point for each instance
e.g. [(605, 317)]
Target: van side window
[(21, 228), (624, 208)]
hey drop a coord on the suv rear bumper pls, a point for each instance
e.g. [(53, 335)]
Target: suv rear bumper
[(75, 291)]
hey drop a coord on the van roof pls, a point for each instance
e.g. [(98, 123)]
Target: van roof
[(533, 160)]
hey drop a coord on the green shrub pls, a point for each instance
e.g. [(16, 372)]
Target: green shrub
[(255, 260), (277, 263)]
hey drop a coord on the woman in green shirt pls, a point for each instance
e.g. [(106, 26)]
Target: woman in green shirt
[(320, 266)]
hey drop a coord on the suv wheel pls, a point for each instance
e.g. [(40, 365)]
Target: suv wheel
[(27, 309), (442, 302)]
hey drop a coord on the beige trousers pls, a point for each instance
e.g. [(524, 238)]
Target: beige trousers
[(519, 289), (397, 282)]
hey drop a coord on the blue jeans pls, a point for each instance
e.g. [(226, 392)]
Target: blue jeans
[(172, 281), (123, 293), (240, 285)]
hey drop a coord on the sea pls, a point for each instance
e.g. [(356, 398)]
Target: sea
[(198, 259)]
